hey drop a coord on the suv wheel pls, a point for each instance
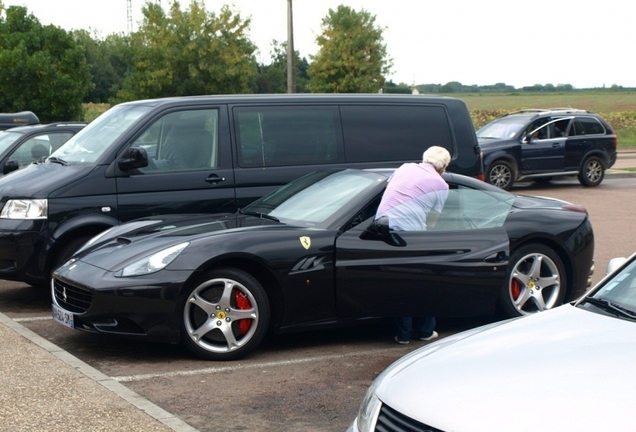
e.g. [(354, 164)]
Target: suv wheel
[(501, 174), (592, 171)]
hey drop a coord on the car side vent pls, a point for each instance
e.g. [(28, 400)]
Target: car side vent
[(308, 263), (389, 420)]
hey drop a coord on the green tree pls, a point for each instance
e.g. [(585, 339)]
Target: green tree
[(106, 62), (352, 56), (42, 68), (273, 77), (188, 53)]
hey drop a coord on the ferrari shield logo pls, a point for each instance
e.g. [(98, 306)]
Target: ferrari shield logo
[(305, 241)]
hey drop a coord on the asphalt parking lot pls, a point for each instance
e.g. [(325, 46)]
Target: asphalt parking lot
[(311, 381)]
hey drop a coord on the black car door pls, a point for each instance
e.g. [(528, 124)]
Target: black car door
[(456, 268), (190, 167)]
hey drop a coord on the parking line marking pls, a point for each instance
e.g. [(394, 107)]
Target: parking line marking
[(214, 370)]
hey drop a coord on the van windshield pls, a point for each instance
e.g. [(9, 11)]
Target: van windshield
[(92, 141)]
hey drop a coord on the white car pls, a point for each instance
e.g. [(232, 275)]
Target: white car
[(566, 369)]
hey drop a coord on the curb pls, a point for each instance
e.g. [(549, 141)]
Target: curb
[(115, 387)]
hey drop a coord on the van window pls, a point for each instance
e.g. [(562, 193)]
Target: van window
[(91, 142), (394, 133), (181, 141), (287, 135)]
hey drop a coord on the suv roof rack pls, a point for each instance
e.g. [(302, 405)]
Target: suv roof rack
[(543, 110)]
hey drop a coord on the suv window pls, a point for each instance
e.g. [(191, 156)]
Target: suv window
[(182, 140), (587, 126), (289, 135), (394, 133)]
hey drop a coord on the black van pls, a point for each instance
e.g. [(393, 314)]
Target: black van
[(209, 154)]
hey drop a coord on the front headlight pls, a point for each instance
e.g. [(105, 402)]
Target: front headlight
[(25, 209), (369, 408), (153, 263)]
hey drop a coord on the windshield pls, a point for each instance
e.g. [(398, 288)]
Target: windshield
[(314, 199), (501, 129), (6, 139), (92, 141), (620, 291)]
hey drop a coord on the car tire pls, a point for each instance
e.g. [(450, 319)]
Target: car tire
[(225, 316), (535, 281), (501, 174), (592, 171)]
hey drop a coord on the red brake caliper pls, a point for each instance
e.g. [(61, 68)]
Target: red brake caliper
[(242, 302), (515, 289)]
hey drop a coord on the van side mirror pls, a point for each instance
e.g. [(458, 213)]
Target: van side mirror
[(10, 166), (135, 158)]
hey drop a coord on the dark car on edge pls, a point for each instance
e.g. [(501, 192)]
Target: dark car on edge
[(310, 255), (541, 144), (22, 145)]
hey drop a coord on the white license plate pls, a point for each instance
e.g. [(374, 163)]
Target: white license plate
[(63, 317)]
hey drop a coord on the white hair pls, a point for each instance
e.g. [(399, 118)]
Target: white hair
[(437, 156)]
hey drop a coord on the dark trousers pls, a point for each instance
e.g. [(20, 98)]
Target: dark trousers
[(424, 325)]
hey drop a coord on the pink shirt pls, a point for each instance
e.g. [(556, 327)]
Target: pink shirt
[(413, 191)]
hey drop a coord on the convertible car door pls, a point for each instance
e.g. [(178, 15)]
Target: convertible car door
[(454, 269)]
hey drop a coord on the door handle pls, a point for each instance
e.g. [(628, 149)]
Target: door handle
[(214, 179), (496, 258)]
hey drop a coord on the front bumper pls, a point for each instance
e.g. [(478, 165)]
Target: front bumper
[(143, 307), (21, 246)]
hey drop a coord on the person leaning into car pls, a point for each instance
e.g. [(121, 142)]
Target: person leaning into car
[(412, 201)]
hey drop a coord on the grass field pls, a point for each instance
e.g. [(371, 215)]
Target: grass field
[(618, 108), (588, 100)]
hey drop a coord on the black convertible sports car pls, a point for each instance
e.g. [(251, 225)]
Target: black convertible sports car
[(311, 255)]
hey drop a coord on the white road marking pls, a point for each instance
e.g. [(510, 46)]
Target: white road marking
[(214, 370)]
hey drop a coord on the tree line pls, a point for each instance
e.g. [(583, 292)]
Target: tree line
[(181, 52)]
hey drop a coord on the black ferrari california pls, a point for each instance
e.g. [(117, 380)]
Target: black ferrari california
[(311, 255)]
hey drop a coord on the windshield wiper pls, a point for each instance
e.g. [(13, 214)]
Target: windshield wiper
[(258, 214), (56, 159), (608, 306)]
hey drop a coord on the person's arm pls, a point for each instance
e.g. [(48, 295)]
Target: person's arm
[(431, 218)]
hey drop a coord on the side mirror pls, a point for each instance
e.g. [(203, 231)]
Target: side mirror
[(136, 158), (377, 228), (10, 166), (613, 264)]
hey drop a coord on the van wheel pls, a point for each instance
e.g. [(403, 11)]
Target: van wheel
[(592, 172), (68, 250), (501, 174), (225, 316)]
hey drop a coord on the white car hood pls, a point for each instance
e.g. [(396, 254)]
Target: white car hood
[(564, 369)]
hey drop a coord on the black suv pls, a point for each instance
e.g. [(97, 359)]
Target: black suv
[(539, 144), (22, 145)]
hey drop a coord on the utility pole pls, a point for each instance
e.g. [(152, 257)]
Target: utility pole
[(291, 67), (129, 16)]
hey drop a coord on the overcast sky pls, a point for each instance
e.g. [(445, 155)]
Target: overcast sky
[(584, 43)]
